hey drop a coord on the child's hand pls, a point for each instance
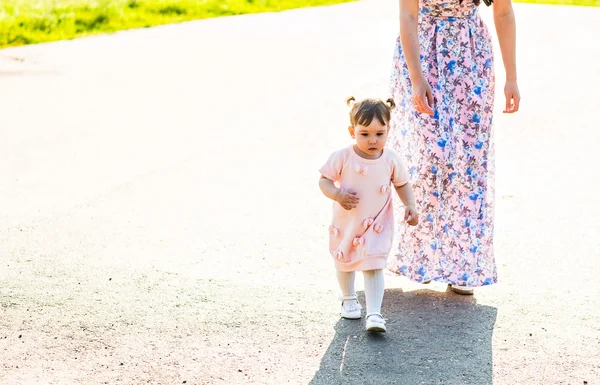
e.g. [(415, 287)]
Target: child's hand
[(347, 200), (410, 215)]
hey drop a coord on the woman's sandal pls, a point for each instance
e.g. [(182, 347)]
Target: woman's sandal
[(463, 290), (350, 310), (375, 323)]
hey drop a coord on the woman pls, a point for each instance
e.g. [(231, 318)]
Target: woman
[(443, 84)]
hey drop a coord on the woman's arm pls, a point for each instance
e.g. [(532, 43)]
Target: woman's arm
[(504, 19), (422, 94)]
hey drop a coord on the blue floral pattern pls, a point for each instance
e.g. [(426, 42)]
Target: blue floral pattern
[(450, 155)]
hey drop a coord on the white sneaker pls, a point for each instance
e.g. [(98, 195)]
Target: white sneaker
[(350, 307), (464, 290), (375, 323)]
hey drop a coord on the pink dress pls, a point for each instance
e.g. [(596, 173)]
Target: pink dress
[(361, 238), (450, 155)]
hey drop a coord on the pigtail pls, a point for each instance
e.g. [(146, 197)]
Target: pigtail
[(390, 103), (363, 112)]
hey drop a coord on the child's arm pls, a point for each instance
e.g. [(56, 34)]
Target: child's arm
[(406, 196), (347, 200)]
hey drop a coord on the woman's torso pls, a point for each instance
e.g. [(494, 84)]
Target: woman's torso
[(447, 9)]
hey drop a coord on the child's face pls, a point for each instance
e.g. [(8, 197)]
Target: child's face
[(370, 139)]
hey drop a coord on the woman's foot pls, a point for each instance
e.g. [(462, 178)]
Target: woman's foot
[(464, 290), (375, 323), (350, 307)]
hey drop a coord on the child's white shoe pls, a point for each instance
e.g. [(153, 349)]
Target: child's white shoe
[(375, 323), (350, 307)]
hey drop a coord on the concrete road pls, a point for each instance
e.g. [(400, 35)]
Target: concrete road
[(160, 220)]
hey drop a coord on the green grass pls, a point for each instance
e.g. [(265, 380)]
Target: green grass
[(587, 3), (37, 21)]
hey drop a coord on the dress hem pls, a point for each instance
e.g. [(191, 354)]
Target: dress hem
[(440, 280), (372, 262)]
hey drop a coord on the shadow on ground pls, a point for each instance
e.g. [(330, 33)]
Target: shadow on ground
[(433, 338)]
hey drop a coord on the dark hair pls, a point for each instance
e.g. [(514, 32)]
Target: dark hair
[(365, 110), (477, 2)]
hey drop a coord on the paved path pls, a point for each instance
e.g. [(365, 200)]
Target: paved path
[(160, 219)]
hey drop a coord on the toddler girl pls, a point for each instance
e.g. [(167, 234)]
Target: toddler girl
[(358, 179)]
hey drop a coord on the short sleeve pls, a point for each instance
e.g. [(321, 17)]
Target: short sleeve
[(332, 169), (400, 175)]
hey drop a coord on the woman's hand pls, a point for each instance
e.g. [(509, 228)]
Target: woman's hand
[(347, 200), (513, 98), (422, 96), (410, 215)]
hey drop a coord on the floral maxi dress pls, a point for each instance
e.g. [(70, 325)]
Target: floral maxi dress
[(450, 155)]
